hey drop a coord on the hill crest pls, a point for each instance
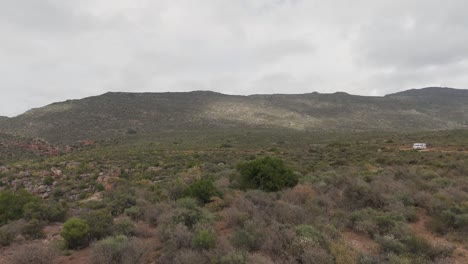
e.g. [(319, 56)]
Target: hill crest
[(119, 113)]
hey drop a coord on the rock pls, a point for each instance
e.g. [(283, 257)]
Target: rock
[(4, 169), (73, 164), (56, 172), (41, 189), (23, 174)]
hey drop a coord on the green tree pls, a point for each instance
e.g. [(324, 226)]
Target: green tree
[(267, 173), (202, 190), (75, 232)]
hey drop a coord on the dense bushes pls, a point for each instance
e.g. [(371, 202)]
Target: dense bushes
[(11, 204), (267, 173)]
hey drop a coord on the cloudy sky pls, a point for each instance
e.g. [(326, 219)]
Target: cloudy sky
[(53, 50)]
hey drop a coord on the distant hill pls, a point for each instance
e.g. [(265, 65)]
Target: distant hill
[(114, 114)]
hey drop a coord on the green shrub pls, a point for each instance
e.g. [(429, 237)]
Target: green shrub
[(134, 212), (100, 223), (190, 213), (309, 233), (124, 227), (204, 239), (118, 202), (34, 229), (48, 180), (117, 250), (75, 232), (52, 211), (267, 173), (202, 190), (248, 238), (6, 237), (11, 204)]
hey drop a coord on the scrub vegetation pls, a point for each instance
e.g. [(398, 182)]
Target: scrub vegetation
[(272, 196)]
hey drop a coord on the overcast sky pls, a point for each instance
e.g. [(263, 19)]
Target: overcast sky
[(53, 50)]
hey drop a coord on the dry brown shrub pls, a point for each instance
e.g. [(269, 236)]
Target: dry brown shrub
[(287, 213), (157, 214), (234, 217), (243, 204), (177, 237), (143, 230), (343, 254), (118, 250), (315, 254), (33, 253), (188, 256), (279, 241), (216, 204), (300, 194), (258, 258)]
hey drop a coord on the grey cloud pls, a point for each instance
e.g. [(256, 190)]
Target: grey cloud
[(54, 50)]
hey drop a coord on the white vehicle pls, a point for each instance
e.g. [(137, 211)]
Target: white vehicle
[(419, 146)]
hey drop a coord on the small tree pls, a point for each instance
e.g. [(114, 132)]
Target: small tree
[(202, 190), (267, 173), (75, 232)]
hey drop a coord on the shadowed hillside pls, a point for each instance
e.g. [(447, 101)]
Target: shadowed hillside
[(114, 114)]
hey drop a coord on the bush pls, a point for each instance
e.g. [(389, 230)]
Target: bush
[(35, 253), (124, 227), (134, 212), (204, 239), (119, 201), (75, 232), (6, 237), (118, 250), (343, 254), (100, 223), (11, 204), (53, 212), (202, 190), (250, 237), (267, 173), (33, 230), (234, 258)]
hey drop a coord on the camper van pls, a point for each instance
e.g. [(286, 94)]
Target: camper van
[(419, 146)]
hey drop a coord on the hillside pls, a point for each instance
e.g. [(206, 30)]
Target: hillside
[(14, 148), (114, 114)]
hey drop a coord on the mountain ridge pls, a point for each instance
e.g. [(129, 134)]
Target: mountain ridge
[(120, 113)]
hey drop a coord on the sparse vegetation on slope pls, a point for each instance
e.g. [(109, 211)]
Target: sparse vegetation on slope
[(130, 115)]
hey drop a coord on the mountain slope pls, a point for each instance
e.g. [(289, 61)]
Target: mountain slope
[(114, 114)]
